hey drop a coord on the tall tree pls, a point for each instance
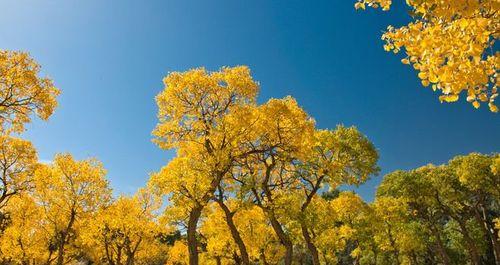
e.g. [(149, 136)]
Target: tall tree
[(192, 109), (18, 160), (125, 232), (70, 192), (478, 174), (261, 244), (281, 133), (24, 240), (453, 204), (341, 156), (417, 191)]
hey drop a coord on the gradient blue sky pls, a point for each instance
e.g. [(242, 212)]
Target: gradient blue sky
[(109, 58)]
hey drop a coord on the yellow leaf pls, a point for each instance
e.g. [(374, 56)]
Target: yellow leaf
[(463, 23), (448, 98), (422, 75), (433, 78), (359, 5), (493, 108), (470, 98), (476, 104)]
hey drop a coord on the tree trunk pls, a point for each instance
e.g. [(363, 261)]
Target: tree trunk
[(285, 241), (119, 256), (393, 245), (496, 245), (473, 252), (310, 245), (493, 236), (413, 258), (263, 257), (60, 249), (488, 229), (236, 258), (275, 224), (64, 237), (235, 233), (130, 260), (131, 252), (441, 249), (194, 216)]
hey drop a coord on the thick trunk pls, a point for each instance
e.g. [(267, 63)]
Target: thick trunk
[(235, 233), (236, 258), (393, 245), (494, 241), (305, 233), (263, 258), (441, 249), (130, 260), (473, 252), (194, 216), (60, 248), (413, 259), (493, 236), (109, 258), (285, 241), (496, 245), (119, 256), (488, 229), (275, 224), (310, 245), (63, 238), (131, 252)]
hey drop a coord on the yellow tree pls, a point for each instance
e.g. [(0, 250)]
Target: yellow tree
[(281, 132), (350, 215), (261, 244), (18, 160), (124, 232), (451, 45), (395, 235), (178, 254), (192, 108), (331, 225), (449, 203), (340, 156), (480, 176), (22, 92), (220, 245), (70, 192), (24, 240)]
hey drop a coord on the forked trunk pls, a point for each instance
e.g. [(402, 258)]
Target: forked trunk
[(441, 248), (284, 239), (245, 260), (310, 245)]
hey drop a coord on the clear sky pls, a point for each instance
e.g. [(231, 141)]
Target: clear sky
[(109, 58)]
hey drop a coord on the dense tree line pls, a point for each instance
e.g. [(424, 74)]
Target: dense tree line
[(251, 184), (259, 183)]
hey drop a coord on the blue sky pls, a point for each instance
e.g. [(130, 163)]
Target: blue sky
[(109, 58)]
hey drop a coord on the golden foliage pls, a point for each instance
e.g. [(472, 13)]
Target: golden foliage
[(124, 231), (450, 44), (22, 92), (18, 160)]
